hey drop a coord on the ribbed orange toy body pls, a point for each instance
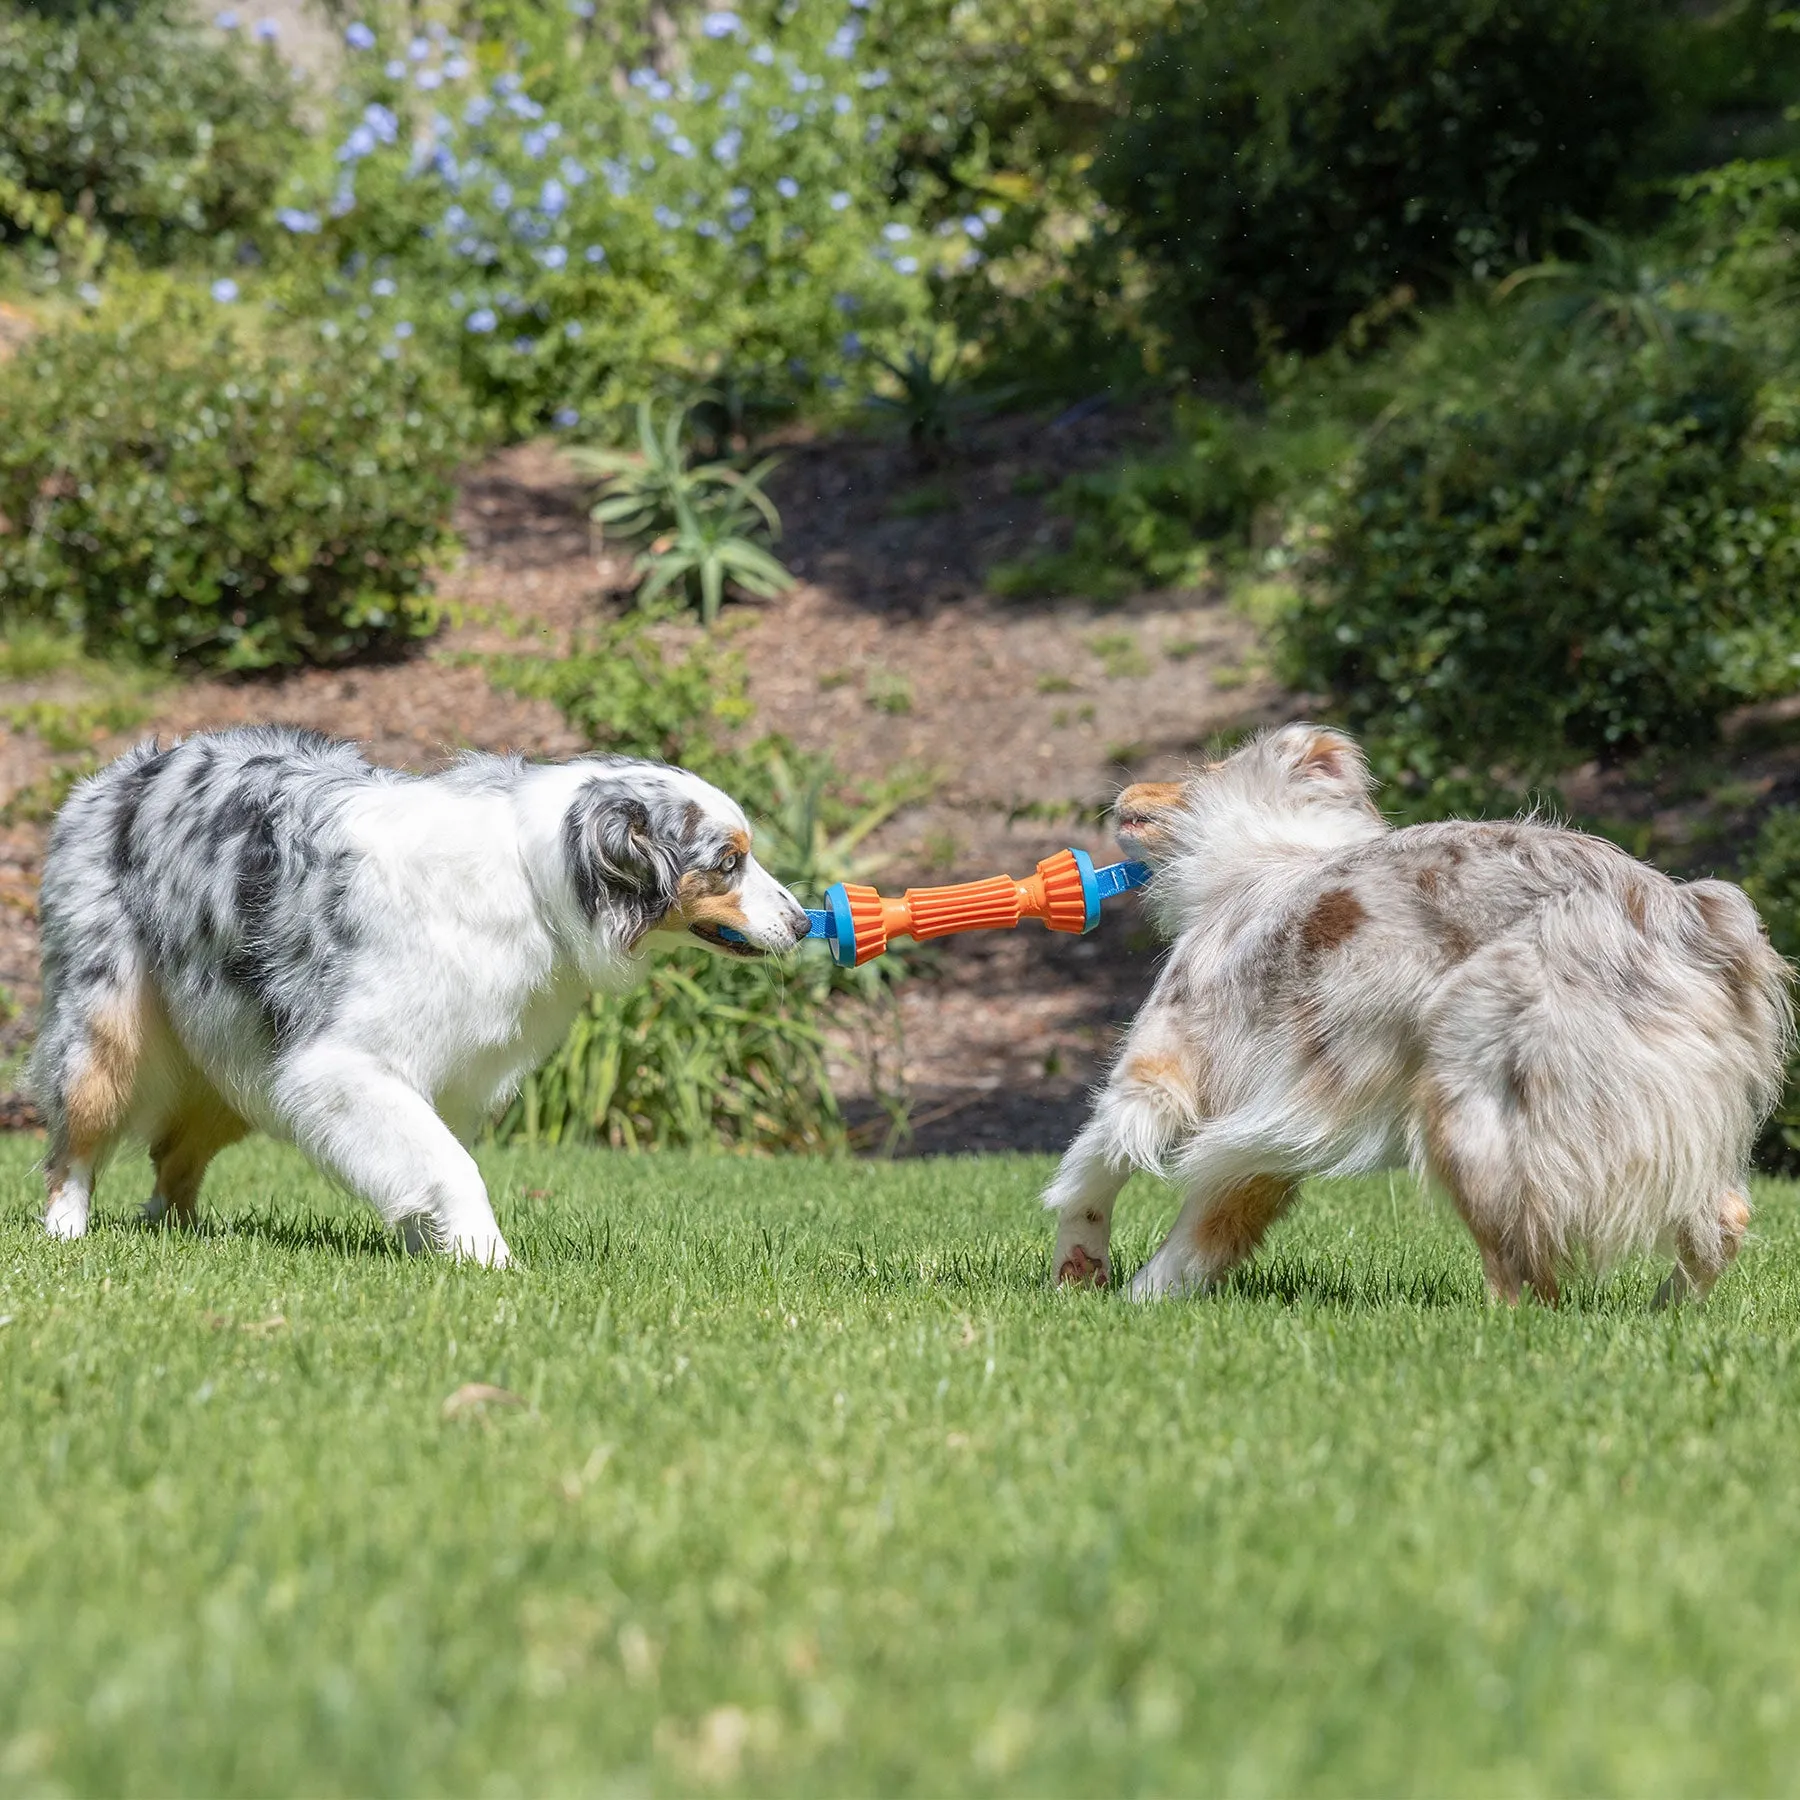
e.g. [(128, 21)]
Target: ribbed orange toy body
[(1052, 893)]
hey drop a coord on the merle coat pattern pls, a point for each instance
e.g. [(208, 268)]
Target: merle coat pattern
[(1576, 1049), (259, 930)]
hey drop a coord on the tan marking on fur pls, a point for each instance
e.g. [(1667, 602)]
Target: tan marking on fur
[(204, 1126), (739, 842), (1238, 1220), (1158, 1069), (1143, 811), (1637, 904), (1428, 880), (716, 909), (99, 1098), (1332, 921)]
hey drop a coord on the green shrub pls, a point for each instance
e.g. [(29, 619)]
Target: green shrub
[(1583, 550), (178, 487), (1773, 881), (148, 125), (1154, 520), (1286, 164)]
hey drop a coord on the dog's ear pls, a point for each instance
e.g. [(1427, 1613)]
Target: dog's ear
[(618, 861), (1325, 759)]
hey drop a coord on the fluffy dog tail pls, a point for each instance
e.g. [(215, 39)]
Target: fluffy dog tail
[(1616, 1111)]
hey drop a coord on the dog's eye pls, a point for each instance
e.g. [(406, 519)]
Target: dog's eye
[(729, 865)]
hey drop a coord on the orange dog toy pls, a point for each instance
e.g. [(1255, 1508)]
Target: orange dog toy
[(1065, 891)]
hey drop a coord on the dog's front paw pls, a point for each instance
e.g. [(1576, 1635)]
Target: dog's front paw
[(1081, 1268), (488, 1249)]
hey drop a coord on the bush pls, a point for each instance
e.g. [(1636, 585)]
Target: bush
[(1157, 520), (142, 123), (1593, 550), (1773, 881), (180, 488), (579, 242), (1287, 164)]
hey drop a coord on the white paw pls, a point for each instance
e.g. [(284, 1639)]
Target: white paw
[(1156, 1281), (66, 1218), (1077, 1266), (486, 1248)]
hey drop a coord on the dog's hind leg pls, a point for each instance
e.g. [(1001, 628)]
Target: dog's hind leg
[(1220, 1224), (384, 1141), (201, 1127), (1704, 1255), (89, 1088)]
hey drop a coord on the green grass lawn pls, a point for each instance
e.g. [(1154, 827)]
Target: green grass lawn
[(818, 1488)]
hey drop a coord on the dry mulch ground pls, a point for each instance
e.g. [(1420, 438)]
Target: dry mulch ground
[(889, 656)]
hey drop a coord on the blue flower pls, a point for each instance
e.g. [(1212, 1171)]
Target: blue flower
[(291, 218), (394, 69), (706, 229), (907, 265), (843, 43), (224, 290), (427, 79), (839, 201), (721, 24), (361, 142), (992, 214), (482, 319), (876, 78), (572, 171), (456, 218), (477, 110), (594, 253), (564, 417), (343, 200), (740, 217), (641, 78), (528, 227), (974, 226), (572, 330), (762, 54), (534, 144), (456, 69), (266, 31), (381, 121), (801, 83), (662, 124), (419, 49), (358, 36), (582, 9), (501, 194), (841, 105), (226, 21), (403, 328), (667, 218), (851, 343), (524, 345), (788, 188), (846, 303), (553, 257), (506, 82), (647, 163), (726, 147), (468, 246), (553, 196), (681, 146), (896, 233), (382, 289), (522, 106)]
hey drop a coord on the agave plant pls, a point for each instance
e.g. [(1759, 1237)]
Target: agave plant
[(700, 525)]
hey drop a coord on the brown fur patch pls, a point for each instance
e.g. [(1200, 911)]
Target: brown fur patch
[(1428, 880), (203, 1127), (1158, 1069), (1333, 921), (1236, 1223), (1637, 905), (100, 1096), (1143, 810), (715, 909)]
